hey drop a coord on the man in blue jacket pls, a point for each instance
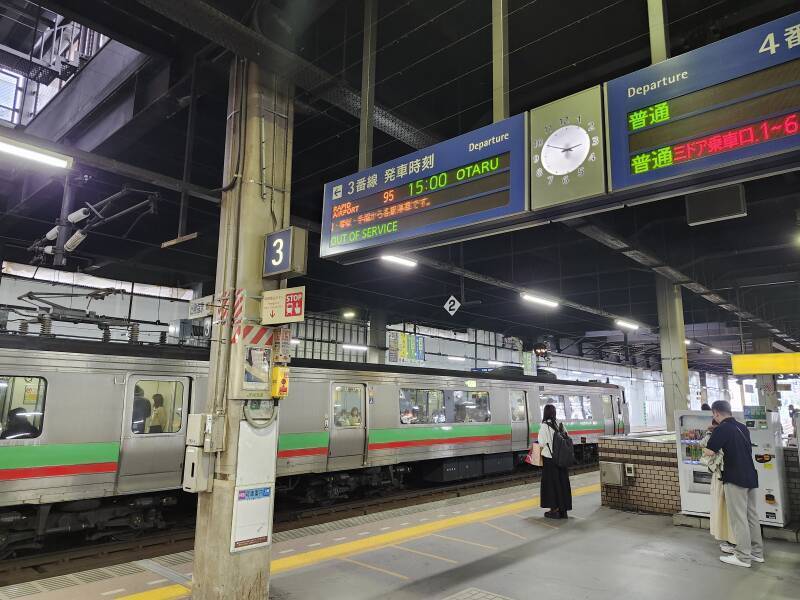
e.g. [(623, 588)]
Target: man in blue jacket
[(741, 487)]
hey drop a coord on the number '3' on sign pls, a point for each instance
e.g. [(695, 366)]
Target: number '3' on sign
[(452, 305)]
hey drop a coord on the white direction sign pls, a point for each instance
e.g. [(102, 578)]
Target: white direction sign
[(452, 305), (200, 308), (283, 306)]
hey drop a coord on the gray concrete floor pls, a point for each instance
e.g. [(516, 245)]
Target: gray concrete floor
[(491, 546), (600, 554)]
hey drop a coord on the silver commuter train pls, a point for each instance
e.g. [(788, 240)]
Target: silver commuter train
[(89, 456)]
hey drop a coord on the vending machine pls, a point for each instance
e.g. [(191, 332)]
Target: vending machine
[(695, 479), (766, 436)]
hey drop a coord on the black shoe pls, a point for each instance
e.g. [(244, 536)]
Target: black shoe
[(563, 514), (552, 514)]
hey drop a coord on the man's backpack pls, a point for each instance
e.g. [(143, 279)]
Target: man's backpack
[(563, 451)]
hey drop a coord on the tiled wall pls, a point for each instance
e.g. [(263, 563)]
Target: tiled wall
[(655, 488)]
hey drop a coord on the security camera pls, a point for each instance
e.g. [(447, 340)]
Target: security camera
[(52, 234)]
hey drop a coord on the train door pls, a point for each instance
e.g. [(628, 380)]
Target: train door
[(614, 421), (348, 426), (153, 433), (519, 419), (623, 421)]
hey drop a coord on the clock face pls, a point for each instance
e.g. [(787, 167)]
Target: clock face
[(567, 155), (565, 149)]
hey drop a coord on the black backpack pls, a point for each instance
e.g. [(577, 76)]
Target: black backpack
[(563, 451)]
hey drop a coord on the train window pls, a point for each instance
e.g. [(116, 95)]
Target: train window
[(587, 407), (557, 401), (517, 406), (471, 407), (21, 407), (575, 406), (348, 405), (157, 406), (421, 406)]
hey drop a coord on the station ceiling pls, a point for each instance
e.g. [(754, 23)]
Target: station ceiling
[(433, 70)]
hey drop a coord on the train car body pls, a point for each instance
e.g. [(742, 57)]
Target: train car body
[(78, 428)]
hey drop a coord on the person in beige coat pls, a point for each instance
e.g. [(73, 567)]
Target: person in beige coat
[(720, 526)]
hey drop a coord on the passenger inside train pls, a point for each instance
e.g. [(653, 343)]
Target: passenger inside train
[(18, 426)]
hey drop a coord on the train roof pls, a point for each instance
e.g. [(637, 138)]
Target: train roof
[(86, 346), (176, 352), (495, 375)]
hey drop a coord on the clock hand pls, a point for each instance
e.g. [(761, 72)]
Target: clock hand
[(557, 147), (570, 148)]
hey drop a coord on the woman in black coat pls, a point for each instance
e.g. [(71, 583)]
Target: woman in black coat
[(556, 493)]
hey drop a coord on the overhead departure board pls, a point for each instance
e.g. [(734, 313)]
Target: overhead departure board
[(450, 190), (733, 101)]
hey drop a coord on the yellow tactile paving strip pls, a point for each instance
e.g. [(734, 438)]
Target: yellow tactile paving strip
[(374, 542)]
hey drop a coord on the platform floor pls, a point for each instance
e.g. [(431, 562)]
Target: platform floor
[(493, 545)]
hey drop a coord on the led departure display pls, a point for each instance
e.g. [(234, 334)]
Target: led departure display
[(441, 195), (733, 101), (452, 188)]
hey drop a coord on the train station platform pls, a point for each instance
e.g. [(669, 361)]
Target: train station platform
[(490, 545)]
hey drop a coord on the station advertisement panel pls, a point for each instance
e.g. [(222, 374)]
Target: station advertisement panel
[(732, 101), (446, 191)]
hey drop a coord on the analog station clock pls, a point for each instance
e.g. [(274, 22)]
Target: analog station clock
[(567, 156)]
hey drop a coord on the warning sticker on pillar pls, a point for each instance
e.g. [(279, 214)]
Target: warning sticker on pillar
[(222, 309), (283, 306)]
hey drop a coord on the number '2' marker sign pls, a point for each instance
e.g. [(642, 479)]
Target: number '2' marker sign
[(452, 305)]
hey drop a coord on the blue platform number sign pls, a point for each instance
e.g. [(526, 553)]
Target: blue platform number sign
[(729, 103), (278, 252)]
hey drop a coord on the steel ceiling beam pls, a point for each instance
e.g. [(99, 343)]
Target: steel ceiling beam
[(244, 41), (89, 159), (653, 262)]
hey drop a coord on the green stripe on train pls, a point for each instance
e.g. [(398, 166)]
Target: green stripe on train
[(414, 432), (579, 426), (296, 441), (49, 455)]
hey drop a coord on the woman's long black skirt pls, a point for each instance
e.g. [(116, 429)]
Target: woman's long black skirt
[(556, 492)]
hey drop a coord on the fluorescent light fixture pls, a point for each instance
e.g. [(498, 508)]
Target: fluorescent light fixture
[(717, 351), (29, 152), (626, 324), (349, 314), (538, 300), (354, 347), (399, 260), (687, 342), (294, 342), (495, 363), (457, 358)]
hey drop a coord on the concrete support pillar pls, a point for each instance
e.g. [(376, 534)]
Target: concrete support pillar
[(672, 336), (377, 337), (659, 32), (703, 387), (765, 384), (500, 103), (368, 84), (256, 202)]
